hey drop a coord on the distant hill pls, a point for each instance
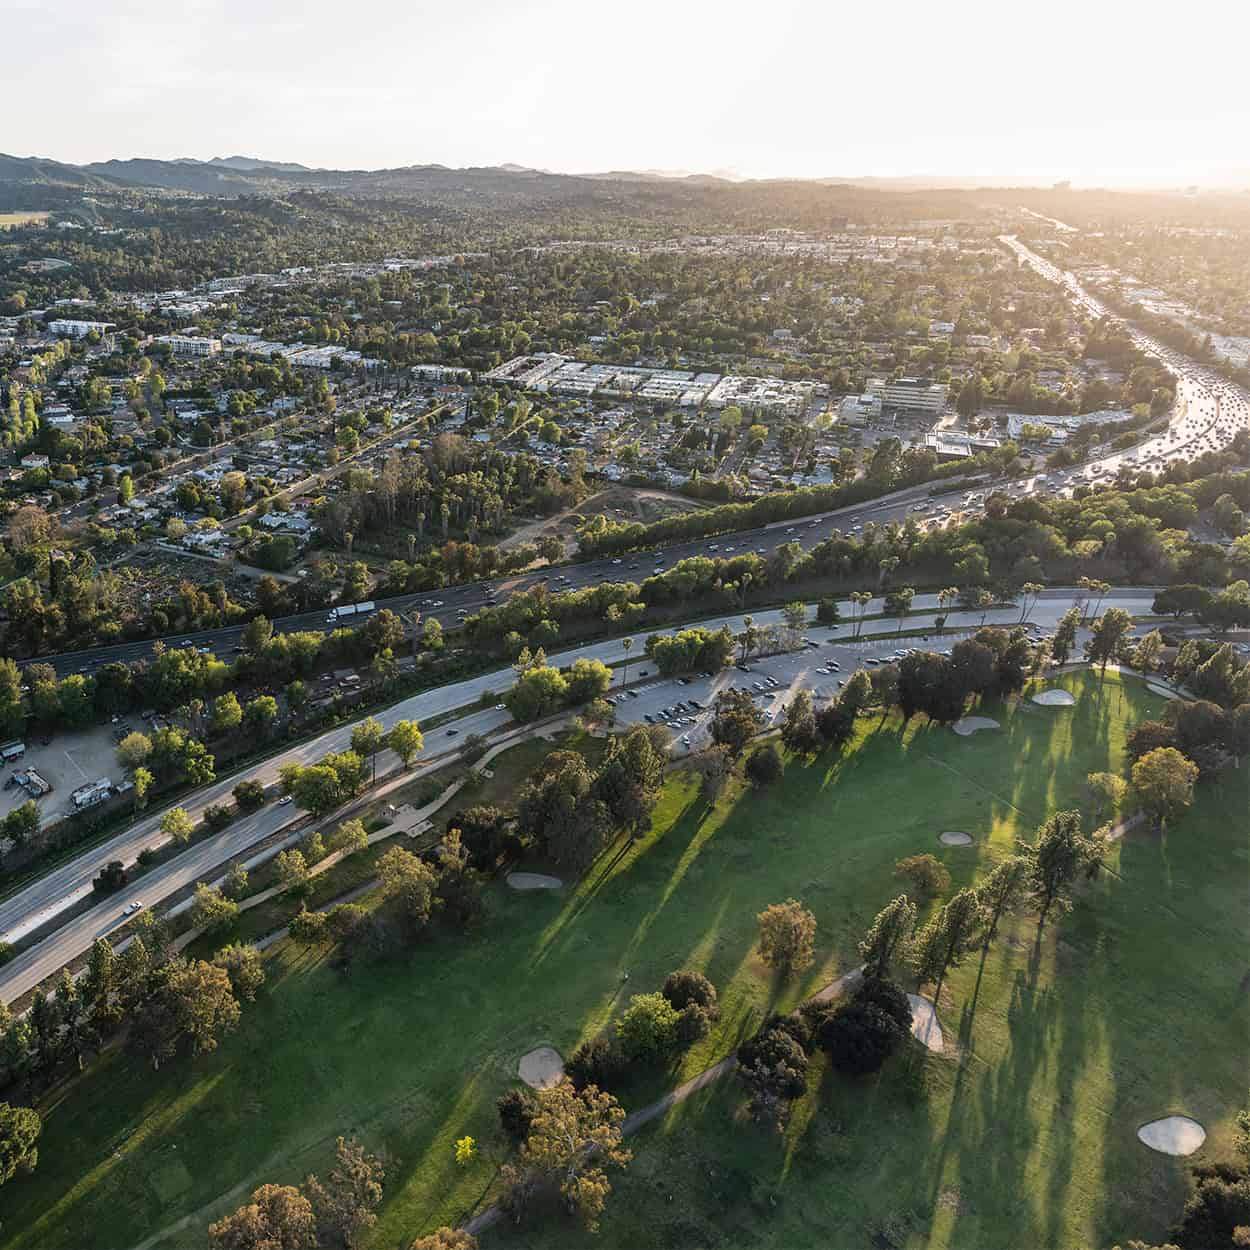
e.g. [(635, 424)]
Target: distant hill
[(251, 162), (23, 179), (35, 170)]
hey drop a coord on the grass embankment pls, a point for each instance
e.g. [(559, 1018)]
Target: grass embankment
[(1128, 1009)]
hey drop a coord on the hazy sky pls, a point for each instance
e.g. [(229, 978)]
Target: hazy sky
[(1092, 91)]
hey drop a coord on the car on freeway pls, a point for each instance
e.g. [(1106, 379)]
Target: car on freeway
[(284, 800), (131, 908)]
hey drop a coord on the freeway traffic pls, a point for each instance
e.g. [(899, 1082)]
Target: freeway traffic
[(1207, 414)]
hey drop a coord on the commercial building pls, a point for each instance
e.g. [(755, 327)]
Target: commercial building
[(909, 395)]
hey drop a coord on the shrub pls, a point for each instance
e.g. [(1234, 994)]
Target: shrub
[(217, 816), (249, 795), (773, 1067), (596, 1062), (648, 1029), (763, 765), (517, 1109), (111, 879), (693, 1025), (308, 926), (776, 1050), (1220, 1203), (683, 988), (859, 1037), (889, 996)]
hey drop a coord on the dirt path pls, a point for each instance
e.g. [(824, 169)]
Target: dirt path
[(644, 1115)]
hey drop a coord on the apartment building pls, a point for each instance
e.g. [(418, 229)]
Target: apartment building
[(70, 329), (190, 344)]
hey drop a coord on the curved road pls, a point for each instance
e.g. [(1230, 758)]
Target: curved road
[(60, 889)]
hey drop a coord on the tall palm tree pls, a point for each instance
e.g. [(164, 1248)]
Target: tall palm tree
[(628, 645)]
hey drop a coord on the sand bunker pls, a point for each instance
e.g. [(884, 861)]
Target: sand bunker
[(1155, 688), (533, 881), (1173, 1135), (966, 727), (924, 1023), (1054, 698), (955, 838), (541, 1068)]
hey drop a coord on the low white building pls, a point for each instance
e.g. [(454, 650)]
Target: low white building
[(190, 344), (71, 329)]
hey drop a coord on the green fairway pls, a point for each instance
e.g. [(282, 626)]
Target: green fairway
[(1130, 1008)]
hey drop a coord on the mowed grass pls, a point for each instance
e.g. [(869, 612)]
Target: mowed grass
[(1128, 1009)]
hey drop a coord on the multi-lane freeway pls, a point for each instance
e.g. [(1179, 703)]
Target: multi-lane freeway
[(43, 900), (1208, 413)]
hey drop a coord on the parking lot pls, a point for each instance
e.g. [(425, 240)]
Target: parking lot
[(685, 704), (70, 760)]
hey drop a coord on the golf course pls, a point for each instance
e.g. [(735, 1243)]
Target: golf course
[(1059, 1043)]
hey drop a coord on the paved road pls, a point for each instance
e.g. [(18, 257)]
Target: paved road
[(1209, 410), (68, 884), (1207, 414), (451, 604)]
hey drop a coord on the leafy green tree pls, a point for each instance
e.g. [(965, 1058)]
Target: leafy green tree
[(368, 737), (292, 870), (212, 910), (406, 740), (259, 716), (190, 1004), (764, 766), (927, 873), (1065, 635), (244, 967), (537, 693), (249, 795), (351, 836), (787, 936), (410, 883), (1108, 790), (587, 680), (227, 714), (1002, 890), (177, 824), (1163, 781), (1107, 637), (19, 1131), (798, 730), (736, 721), (236, 882), (143, 783), (134, 750), (648, 1028)]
